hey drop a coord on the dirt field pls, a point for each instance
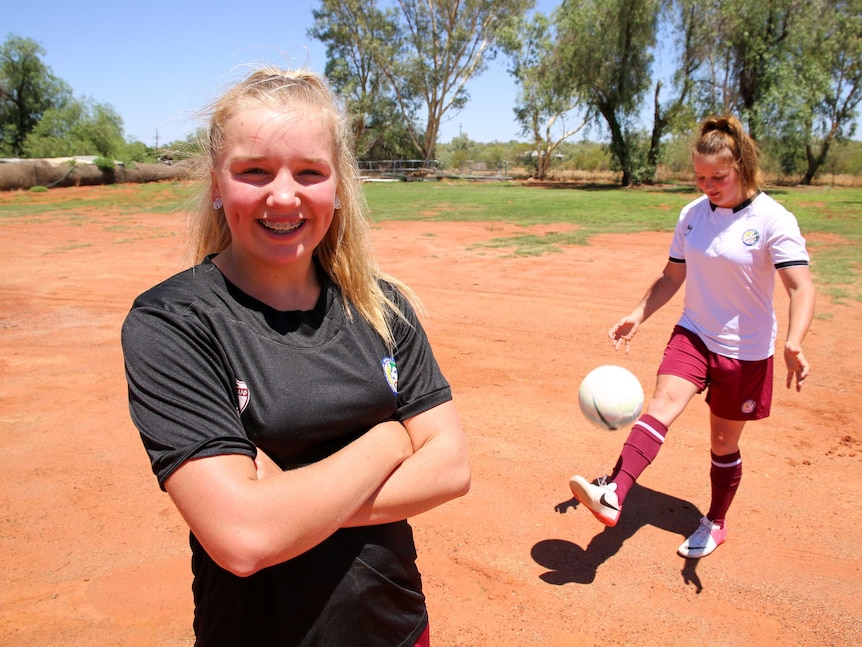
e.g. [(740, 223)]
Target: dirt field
[(93, 554)]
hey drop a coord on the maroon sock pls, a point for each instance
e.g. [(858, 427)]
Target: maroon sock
[(640, 449), (725, 475)]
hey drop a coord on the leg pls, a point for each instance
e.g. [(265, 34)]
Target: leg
[(682, 373), (725, 474), (724, 434), (605, 498), (726, 471), (672, 395)]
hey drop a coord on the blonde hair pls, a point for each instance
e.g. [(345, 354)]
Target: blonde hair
[(725, 135), (345, 253)]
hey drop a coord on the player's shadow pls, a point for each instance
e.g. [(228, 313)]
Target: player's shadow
[(569, 563)]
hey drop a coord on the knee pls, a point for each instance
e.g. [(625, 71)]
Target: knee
[(723, 445), (665, 406)]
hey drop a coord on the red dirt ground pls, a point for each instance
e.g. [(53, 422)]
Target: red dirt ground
[(92, 553)]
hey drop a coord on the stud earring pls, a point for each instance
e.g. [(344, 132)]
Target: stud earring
[(217, 204), (337, 203)]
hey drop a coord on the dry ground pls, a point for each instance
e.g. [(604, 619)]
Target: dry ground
[(92, 553)]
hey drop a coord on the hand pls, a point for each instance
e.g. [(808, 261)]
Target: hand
[(623, 331), (265, 466), (797, 365)]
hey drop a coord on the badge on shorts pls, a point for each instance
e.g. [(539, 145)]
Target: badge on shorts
[(390, 371), (748, 407)]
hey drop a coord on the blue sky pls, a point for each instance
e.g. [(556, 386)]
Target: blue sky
[(158, 62)]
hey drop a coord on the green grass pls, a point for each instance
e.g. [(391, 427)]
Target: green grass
[(161, 197), (604, 209), (830, 218)]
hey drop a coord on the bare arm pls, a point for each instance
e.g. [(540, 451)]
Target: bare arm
[(437, 471), (659, 293), (797, 281), (246, 523)]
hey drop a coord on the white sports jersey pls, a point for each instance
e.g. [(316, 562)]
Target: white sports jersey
[(731, 256)]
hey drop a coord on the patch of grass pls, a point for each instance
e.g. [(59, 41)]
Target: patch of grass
[(606, 209), (155, 197), (835, 212), (536, 245), (73, 246)]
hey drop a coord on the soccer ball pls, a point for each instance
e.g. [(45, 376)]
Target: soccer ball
[(611, 397)]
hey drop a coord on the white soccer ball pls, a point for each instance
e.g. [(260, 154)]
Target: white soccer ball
[(611, 397)]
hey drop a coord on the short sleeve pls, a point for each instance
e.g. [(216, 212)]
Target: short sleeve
[(786, 244), (421, 384), (683, 224), (182, 397)]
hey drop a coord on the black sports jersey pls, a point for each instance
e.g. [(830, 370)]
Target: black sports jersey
[(213, 371)]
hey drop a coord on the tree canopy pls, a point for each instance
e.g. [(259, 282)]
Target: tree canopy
[(40, 117), (415, 56)]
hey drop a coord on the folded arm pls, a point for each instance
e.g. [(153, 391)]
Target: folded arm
[(246, 523), (437, 471)]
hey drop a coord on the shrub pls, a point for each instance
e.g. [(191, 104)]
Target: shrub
[(104, 164)]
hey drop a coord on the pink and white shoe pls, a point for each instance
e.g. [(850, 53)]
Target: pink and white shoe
[(705, 539), (600, 498)]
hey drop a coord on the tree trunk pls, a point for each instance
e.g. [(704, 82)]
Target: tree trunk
[(815, 161), (658, 126), (619, 146)]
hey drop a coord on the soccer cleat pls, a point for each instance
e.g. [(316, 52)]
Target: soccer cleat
[(705, 539), (599, 497)]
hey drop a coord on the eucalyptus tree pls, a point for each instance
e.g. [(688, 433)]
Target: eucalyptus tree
[(445, 44), (686, 25), (546, 98), (427, 51), (78, 127), (28, 88), (838, 95), (790, 70), (357, 34), (757, 54), (607, 48)]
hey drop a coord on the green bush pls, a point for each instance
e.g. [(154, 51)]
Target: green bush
[(104, 164)]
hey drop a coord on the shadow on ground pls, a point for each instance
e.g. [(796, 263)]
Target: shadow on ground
[(569, 563)]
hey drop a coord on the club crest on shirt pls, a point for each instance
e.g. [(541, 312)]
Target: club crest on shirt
[(390, 371), (242, 395), (750, 237)]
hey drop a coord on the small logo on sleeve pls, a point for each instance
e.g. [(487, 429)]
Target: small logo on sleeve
[(242, 395), (390, 371)]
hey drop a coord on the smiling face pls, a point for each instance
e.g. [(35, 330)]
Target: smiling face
[(718, 178), (276, 176)]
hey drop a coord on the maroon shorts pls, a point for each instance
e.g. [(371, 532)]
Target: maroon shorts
[(425, 638), (736, 389)]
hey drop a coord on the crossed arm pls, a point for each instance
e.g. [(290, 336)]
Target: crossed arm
[(249, 514)]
